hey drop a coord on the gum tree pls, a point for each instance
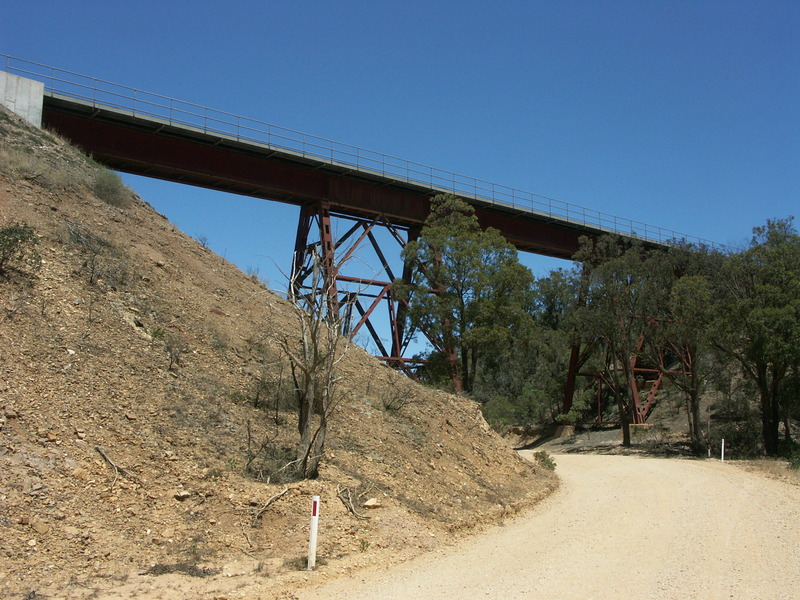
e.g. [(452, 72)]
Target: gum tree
[(757, 318), (469, 291)]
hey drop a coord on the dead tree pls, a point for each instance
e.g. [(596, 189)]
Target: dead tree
[(314, 350)]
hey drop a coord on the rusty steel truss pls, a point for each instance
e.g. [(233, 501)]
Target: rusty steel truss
[(644, 380), (354, 299)]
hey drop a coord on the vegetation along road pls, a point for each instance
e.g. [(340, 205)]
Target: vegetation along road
[(619, 527)]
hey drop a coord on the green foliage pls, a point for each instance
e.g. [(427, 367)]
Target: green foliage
[(239, 397), (500, 413), (615, 284), (555, 298), (684, 297), (758, 317), (543, 459), (742, 437), (687, 312), (108, 187), (522, 382), (19, 248), (469, 289)]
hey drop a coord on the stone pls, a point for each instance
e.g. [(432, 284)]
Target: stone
[(372, 503), (71, 531), (40, 527), (182, 495)]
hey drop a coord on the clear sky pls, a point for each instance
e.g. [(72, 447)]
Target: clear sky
[(680, 113)]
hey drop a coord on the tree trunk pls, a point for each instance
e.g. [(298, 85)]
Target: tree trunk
[(626, 408), (770, 421), (625, 421), (572, 374), (770, 410), (310, 466), (695, 430)]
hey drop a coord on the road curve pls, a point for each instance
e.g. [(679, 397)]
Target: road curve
[(618, 527)]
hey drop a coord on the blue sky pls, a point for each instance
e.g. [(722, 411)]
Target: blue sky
[(682, 114)]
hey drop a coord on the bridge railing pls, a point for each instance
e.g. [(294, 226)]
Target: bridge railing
[(139, 103)]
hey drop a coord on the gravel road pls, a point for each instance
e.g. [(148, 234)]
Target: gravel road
[(619, 527)]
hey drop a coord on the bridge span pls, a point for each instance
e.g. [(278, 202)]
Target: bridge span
[(156, 136), (139, 132)]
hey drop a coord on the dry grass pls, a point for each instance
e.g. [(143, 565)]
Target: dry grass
[(774, 468), (22, 164), (38, 156)]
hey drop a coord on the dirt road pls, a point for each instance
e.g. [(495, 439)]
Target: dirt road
[(619, 527)]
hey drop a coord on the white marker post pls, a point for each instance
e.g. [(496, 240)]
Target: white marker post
[(722, 454), (312, 540)]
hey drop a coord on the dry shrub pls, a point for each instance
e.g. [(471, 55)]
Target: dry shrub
[(108, 187), (19, 248)]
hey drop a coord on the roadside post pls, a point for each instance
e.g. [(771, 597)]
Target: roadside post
[(722, 453), (312, 540)]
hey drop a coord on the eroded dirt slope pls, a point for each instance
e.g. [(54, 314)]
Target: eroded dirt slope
[(130, 364)]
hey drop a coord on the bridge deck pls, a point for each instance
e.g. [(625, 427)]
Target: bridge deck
[(148, 134), (154, 147)]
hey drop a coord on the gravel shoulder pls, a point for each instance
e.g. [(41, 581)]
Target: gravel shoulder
[(618, 527)]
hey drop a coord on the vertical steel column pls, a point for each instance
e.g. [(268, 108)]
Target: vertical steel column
[(301, 247), (329, 269), (324, 251), (398, 309), (307, 252)]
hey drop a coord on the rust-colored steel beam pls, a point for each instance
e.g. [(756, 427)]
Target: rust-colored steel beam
[(153, 148), (318, 241), (156, 148)]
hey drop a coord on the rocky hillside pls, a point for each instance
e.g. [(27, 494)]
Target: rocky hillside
[(145, 410)]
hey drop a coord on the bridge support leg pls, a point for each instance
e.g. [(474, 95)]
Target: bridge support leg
[(312, 255), (355, 298)]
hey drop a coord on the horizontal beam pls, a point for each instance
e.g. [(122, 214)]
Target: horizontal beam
[(155, 148)]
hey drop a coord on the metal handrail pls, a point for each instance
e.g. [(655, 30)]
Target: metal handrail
[(102, 93)]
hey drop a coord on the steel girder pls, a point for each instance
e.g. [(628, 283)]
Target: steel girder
[(353, 297), (645, 380)]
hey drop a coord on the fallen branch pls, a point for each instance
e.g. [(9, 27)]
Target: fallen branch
[(117, 469), (261, 510), (345, 494), (258, 511)]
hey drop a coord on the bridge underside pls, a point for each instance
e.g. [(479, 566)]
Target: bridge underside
[(153, 148), (156, 148)]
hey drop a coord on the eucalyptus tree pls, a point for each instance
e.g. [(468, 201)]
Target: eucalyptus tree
[(679, 343), (615, 312), (469, 293), (757, 318)]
